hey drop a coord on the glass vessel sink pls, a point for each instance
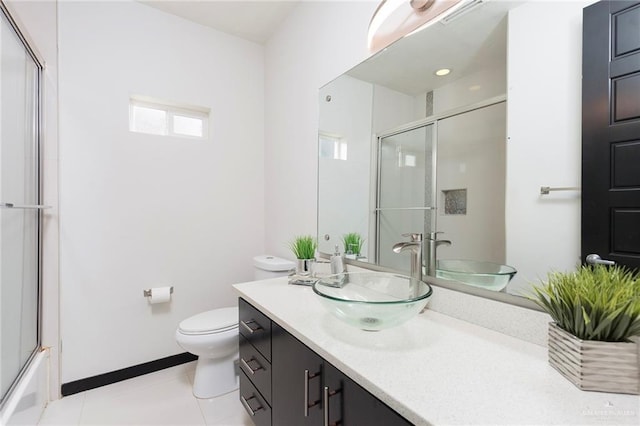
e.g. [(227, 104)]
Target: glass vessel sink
[(372, 300), (487, 275)]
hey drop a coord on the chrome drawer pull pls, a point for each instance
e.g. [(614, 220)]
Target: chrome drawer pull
[(326, 395), (247, 368), (249, 329), (308, 404), (247, 407)]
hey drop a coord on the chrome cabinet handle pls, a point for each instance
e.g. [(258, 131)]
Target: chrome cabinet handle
[(247, 368), (594, 259), (326, 394), (249, 329), (308, 404), (247, 407)]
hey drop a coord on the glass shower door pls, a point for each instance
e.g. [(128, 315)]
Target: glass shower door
[(19, 210), (405, 191)]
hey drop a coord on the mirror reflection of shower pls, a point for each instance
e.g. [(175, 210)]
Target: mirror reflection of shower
[(463, 196)]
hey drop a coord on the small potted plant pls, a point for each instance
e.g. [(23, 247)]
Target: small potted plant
[(304, 249), (352, 245), (596, 314)]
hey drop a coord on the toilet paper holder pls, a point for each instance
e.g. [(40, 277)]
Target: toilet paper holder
[(149, 291)]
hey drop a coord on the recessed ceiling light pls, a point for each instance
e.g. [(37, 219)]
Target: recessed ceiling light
[(442, 72)]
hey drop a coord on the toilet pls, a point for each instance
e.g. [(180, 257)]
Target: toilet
[(213, 337)]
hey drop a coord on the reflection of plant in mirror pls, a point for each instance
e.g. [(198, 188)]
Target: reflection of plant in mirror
[(352, 243), (304, 247), (594, 303)]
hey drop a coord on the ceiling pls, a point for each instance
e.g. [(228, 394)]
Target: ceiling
[(255, 20), (466, 45)]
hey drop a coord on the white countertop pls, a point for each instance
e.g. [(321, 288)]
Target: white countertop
[(439, 370)]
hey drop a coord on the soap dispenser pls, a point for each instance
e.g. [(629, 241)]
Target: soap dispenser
[(337, 266)]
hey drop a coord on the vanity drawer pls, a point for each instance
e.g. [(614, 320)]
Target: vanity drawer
[(255, 327), (254, 403), (256, 368)]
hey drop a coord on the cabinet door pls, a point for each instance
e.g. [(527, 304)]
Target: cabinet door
[(296, 381), (348, 404)]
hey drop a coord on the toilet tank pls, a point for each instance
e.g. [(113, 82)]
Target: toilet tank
[(266, 267)]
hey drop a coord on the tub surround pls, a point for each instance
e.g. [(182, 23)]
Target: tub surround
[(435, 369)]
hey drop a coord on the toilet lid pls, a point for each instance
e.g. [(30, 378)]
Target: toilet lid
[(216, 320)]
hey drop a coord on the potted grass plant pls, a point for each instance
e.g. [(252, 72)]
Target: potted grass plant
[(304, 249), (352, 245), (593, 339)]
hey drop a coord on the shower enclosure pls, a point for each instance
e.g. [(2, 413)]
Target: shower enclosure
[(20, 209)]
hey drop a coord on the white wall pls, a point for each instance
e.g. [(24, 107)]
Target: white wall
[(318, 42), (140, 211), (544, 139)]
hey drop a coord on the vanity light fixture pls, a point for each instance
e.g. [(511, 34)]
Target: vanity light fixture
[(394, 19), (442, 72)]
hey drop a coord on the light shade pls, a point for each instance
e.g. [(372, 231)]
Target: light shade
[(393, 19)]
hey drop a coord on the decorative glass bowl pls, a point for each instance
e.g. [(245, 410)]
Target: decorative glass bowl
[(487, 275), (372, 300)]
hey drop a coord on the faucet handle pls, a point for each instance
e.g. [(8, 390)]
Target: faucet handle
[(415, 236), (434, 235)]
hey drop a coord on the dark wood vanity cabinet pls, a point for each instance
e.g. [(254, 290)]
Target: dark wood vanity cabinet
[(255, 363), (300, 384)]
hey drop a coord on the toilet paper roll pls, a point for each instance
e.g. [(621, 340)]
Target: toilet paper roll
[(160, 295)]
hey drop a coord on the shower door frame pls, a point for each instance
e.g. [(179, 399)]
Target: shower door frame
[(430, 120), (38, 137)]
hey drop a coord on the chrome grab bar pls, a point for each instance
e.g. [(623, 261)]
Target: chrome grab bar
[(379, 209), (23, 206)]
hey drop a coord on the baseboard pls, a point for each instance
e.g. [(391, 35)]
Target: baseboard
[(125, 373)]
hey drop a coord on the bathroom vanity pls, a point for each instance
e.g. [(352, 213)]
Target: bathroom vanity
[(434, 369), (287, 383)]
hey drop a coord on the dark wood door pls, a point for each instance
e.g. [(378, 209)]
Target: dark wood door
[(611, 132), (296, 381)]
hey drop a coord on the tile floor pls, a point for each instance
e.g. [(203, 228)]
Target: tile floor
[(160, 398)]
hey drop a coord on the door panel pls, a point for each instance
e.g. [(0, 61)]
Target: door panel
[(611, 132), (19, 186), (290, 360)]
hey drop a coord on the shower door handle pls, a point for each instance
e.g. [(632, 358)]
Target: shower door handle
[(23, 206)]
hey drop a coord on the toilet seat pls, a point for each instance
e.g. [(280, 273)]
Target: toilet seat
[(210, 322)]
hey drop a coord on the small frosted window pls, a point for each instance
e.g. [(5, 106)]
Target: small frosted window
[(157, 117), (409, 160), (148, 120), (188, 126), (334, 147)]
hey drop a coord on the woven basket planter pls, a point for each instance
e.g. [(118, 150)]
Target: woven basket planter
[(595, 366)]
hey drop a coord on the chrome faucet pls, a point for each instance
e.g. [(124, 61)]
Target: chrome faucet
[(432, 249), (415, 245)]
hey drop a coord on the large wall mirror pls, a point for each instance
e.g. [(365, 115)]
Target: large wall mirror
[(466, 154)]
